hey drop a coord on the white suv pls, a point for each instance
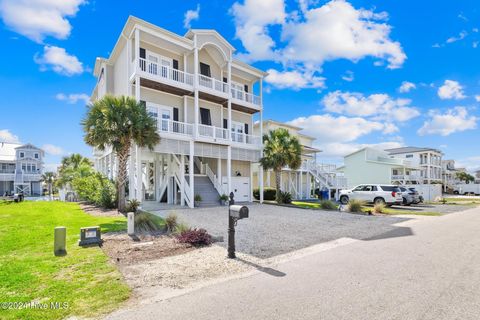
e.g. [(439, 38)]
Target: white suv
[(373, 193)]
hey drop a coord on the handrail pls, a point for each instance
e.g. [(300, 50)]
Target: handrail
[(245, 96), (177, 127), (213, 178), (212, 83), (212, 132), (165, 72), (246, 138)]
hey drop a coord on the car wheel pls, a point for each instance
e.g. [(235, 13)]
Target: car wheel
[(379, 201), (404, 201), (344, 200)]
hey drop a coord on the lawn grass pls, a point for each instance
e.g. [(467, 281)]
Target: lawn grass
[(306, 205), (463, 201), (391, 211), (29, 271)]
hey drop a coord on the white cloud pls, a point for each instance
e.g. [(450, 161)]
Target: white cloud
[(377, 106), (73, 98), (337, 30), (407, 87), (444, 124), (37, 19), (252, 19), (191, 15), (7, 136), (348, 76), (294, 79), (58, 60), (462, 35), (451, 90), (53, 150), (477, 98), (327, 128)]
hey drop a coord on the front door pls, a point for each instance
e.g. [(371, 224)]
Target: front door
[(152, 63), (165, 115)]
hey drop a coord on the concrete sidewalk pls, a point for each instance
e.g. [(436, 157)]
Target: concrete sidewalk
[(432, 274)]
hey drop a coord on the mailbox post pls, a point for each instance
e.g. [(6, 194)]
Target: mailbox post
[(235, 213)]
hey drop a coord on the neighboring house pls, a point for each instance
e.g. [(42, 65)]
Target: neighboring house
[(301, 183), (21, 168), (449, 174), (429, 161), (369, 165), (204, 102), (477, 176)]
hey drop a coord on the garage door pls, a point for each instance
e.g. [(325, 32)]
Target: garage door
[(240, 188)]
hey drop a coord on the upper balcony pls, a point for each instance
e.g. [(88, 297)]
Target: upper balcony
[(206, 133)]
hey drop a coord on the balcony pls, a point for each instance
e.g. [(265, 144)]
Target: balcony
[(175, 127), (405, 177), (240, 97), (212, 85), (211, 132), (246, 138), (172, 78), (7, 176)]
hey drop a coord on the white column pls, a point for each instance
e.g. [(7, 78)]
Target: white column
[(219, 170), (309, 184), (185, 103), (251, 183), (301, 184), (195, 87), (182, 179), (229, 169), (260, 181), (190, 173), (137, 48), (229, 80), (269, 178), (131, 174), (138, 194)]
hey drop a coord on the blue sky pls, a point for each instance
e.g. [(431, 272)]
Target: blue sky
[(336, 67)]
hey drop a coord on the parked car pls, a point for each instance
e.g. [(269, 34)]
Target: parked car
[(409, 196), (373, 193), (417, 198)]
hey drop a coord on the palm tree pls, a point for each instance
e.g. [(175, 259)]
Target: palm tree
[(72, 167), (280, 150), (49, 179), (119, 122)]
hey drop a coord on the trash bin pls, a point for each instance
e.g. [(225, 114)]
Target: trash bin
[(325, 194)]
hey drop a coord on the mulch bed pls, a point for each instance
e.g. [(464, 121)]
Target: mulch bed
[(99, 212), (126, 250)]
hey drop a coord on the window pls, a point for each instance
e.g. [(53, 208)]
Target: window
[(409, 156), (22, 155), (359, 188), (390, 188), (36, 155), (205, 117), (205, 69)]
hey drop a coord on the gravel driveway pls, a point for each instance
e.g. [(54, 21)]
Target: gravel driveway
[(272, 230)]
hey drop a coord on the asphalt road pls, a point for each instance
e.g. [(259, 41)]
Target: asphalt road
[(433, 273)]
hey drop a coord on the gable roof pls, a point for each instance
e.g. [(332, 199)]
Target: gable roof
[(410, 150)]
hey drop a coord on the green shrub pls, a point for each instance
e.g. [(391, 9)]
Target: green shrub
[(97, 189), (328, 205), (198, 198), (133, 205), (285, 197), (181, 227), (269, 194), (379, 208), (147, 222), (171, 222), (355, 205)]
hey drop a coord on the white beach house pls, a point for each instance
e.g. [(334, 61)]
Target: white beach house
[(205, 103), (21, 168)]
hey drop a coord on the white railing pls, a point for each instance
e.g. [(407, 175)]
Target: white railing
[(246, 138), (170, 126), (212, 83), (213, 178), (212, 132), (405, 177), (31, 177), (164, 72), (199, 165), (245, 96), (7, 176)]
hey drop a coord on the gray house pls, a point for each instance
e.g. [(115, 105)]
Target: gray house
[(21, 168)]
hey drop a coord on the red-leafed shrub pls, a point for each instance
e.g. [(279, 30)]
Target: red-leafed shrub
[(195, 237)]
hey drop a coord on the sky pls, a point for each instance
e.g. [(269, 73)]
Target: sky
[(351, 73)]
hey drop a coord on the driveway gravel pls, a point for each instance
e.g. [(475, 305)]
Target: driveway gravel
[(272, 230)]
